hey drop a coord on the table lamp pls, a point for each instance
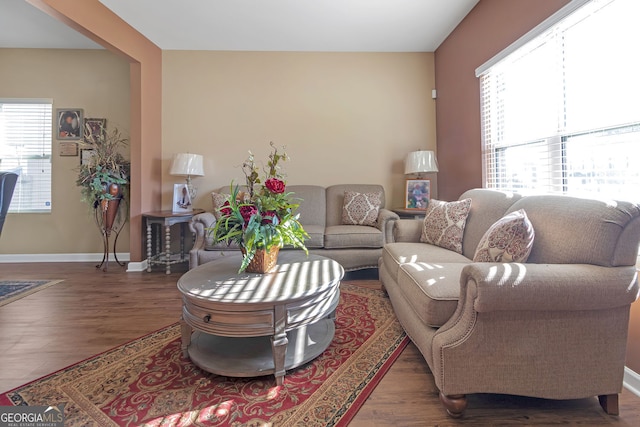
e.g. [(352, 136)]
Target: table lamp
[(187, 164), (420, 162)]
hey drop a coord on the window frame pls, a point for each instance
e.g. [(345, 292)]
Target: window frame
[(47, 155), (498, 136)]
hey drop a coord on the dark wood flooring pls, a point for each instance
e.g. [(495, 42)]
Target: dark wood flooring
[(92, 311)]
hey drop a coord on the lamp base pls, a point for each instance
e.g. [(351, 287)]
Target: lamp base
[(193, 191)]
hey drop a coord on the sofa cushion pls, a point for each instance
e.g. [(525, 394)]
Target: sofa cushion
[(313, 205), (487, 207), (508, 240), (315, 241), (311, 198), (431, 289), (217, 200), (444, 224), (220, 246), (335, 199), (396, 254), (361, 208), (572, 230), (316, 236), (352, 236)]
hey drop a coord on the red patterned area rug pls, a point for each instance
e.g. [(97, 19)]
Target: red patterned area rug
[(147, 381)]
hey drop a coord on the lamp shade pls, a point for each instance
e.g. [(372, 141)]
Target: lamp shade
[(420, 162), (187, 164)]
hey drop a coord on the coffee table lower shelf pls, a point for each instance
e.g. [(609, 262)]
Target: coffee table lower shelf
[(253, 356)]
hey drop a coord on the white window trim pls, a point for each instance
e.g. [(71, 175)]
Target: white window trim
[(27, 100), (562, 13), (33, 101)]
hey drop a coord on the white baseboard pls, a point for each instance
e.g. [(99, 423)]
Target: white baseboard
[(631, 381), (87, 257), (136, 267)]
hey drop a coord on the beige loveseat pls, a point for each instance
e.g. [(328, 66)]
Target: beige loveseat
[(353, 246), (554, 327)]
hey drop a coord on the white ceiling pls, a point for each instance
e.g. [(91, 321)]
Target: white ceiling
[(22, 25), (257, 25), (295, 25)]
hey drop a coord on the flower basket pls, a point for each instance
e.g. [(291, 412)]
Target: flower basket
[(264, 217), (263, 261)]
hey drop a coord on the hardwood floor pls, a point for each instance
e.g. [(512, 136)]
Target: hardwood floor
[(92, 311)]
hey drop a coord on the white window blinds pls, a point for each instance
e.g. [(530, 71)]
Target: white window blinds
[(561, 114), (25, 147)]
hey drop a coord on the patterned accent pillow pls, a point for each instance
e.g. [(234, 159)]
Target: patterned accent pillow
[(444, 223), (361, 208), (218, 200), (509, 239)]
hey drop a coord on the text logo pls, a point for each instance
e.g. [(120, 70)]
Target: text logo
[(32, 416)]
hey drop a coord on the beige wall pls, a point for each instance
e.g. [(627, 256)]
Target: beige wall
[(97, 22), (344, 117), (94, 80)]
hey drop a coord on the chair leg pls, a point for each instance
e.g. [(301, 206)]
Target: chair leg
[(609, 403), (454, 404)]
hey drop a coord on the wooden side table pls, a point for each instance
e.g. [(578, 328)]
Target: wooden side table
[(166, 219), (410, 213)]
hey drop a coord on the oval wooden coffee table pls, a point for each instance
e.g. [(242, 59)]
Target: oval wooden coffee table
[(246, 325)]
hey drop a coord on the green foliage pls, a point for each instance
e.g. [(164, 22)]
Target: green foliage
[(251, 173), (274, 158), (106, 166)]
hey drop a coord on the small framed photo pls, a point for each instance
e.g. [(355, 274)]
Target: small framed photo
[(68, 149), (181, 199), (417, 194), (94, 130), (69, 123), (85, 156)]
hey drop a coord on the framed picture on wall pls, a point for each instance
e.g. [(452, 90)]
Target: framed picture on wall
[(181, 199), (94, 130), (417, 193), (68, 149), (69, 123)]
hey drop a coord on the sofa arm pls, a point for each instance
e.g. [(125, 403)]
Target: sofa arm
[(549, 287), (543, 327), (198, 226), (407, 230), (201, 221), (386, 219)]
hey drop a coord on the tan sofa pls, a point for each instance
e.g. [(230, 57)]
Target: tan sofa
[(555, 327), (355, 247)]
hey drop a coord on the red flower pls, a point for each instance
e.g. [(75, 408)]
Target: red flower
[(247, 211), (226, 209), (274, 185), (267, 217)]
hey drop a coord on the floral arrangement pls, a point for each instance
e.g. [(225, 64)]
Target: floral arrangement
[(264, 218), (106, 166)]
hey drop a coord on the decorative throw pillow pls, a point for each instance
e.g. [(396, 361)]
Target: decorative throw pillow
[(218, 200), (361, 208), (444, 223), (509, 239)]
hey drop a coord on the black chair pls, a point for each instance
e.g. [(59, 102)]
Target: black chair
[(7, 185)]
